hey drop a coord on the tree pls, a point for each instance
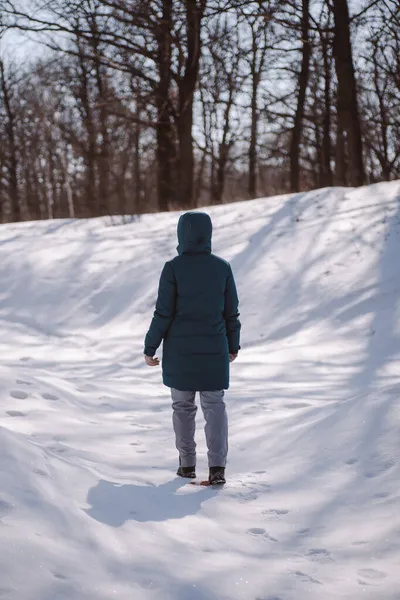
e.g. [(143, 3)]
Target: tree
[(259, 19), (221, 82), (349, 126), (381, 93), (10, 157), (294, 151), (186, 78), (139, 106)]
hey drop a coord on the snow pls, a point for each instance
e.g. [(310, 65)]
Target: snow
[(90, 507)]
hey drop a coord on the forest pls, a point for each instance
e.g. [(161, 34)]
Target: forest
[(134, 106)]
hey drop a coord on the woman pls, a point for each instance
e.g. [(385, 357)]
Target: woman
[(197, 317)]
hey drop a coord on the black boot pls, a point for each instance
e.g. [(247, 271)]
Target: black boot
[(217, 476), (188, 472)]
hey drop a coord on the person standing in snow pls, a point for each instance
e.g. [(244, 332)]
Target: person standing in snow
[(197, 317)]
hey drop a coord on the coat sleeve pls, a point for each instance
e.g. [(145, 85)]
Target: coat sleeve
[(231, 314), (164, 313)]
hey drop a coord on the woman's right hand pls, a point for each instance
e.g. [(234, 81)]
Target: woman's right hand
[(152, 361)]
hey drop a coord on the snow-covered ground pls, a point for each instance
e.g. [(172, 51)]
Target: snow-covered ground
[(90, 508)]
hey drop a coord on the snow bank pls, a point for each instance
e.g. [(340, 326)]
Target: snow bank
[(89, 505)]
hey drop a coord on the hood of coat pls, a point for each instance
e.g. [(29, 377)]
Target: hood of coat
[(194, 233)]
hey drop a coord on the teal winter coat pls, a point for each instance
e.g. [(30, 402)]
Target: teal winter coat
[(196, 312)]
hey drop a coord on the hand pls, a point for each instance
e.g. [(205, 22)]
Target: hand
[(232, 357), (152, 361)]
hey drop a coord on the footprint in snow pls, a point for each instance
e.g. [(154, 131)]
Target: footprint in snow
[(258, 531), (379, 469), (15, 413), (246, 496), (319, 555), (293, 405), (60, 576), (41, 472), (381, 495), (25, 358), (351, 461), (58, 448), (22, 382), (19, 394), (370, 576), (305, 578), (52, 397), (275, 512), (105, 405)]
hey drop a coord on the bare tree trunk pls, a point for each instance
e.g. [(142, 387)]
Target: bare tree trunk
[(326, 175), (70, 198), (68, 186), (165, 140), (31, 200), (186, 158), (221, 173), (13, 159), (213, 176), (259, 23), (383, 126), (103, 160), (137, 164), (187, 86), (49, 198), (255, 80), (205, 150), (224, 149), (294, 152), (317, 168), (90, 154), (341, 155), (348, 112), (2, 188), (51, 184)]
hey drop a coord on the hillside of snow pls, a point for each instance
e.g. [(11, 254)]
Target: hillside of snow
[(90, 508)]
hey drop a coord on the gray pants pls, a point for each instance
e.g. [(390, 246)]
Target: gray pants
[(216, 429)]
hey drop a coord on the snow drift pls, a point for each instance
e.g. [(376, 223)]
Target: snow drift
[(89, 505)]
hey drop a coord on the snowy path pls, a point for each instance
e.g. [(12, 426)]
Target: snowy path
[(89, 505)]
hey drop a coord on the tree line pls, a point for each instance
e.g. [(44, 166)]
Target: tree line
[(134, 106)]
